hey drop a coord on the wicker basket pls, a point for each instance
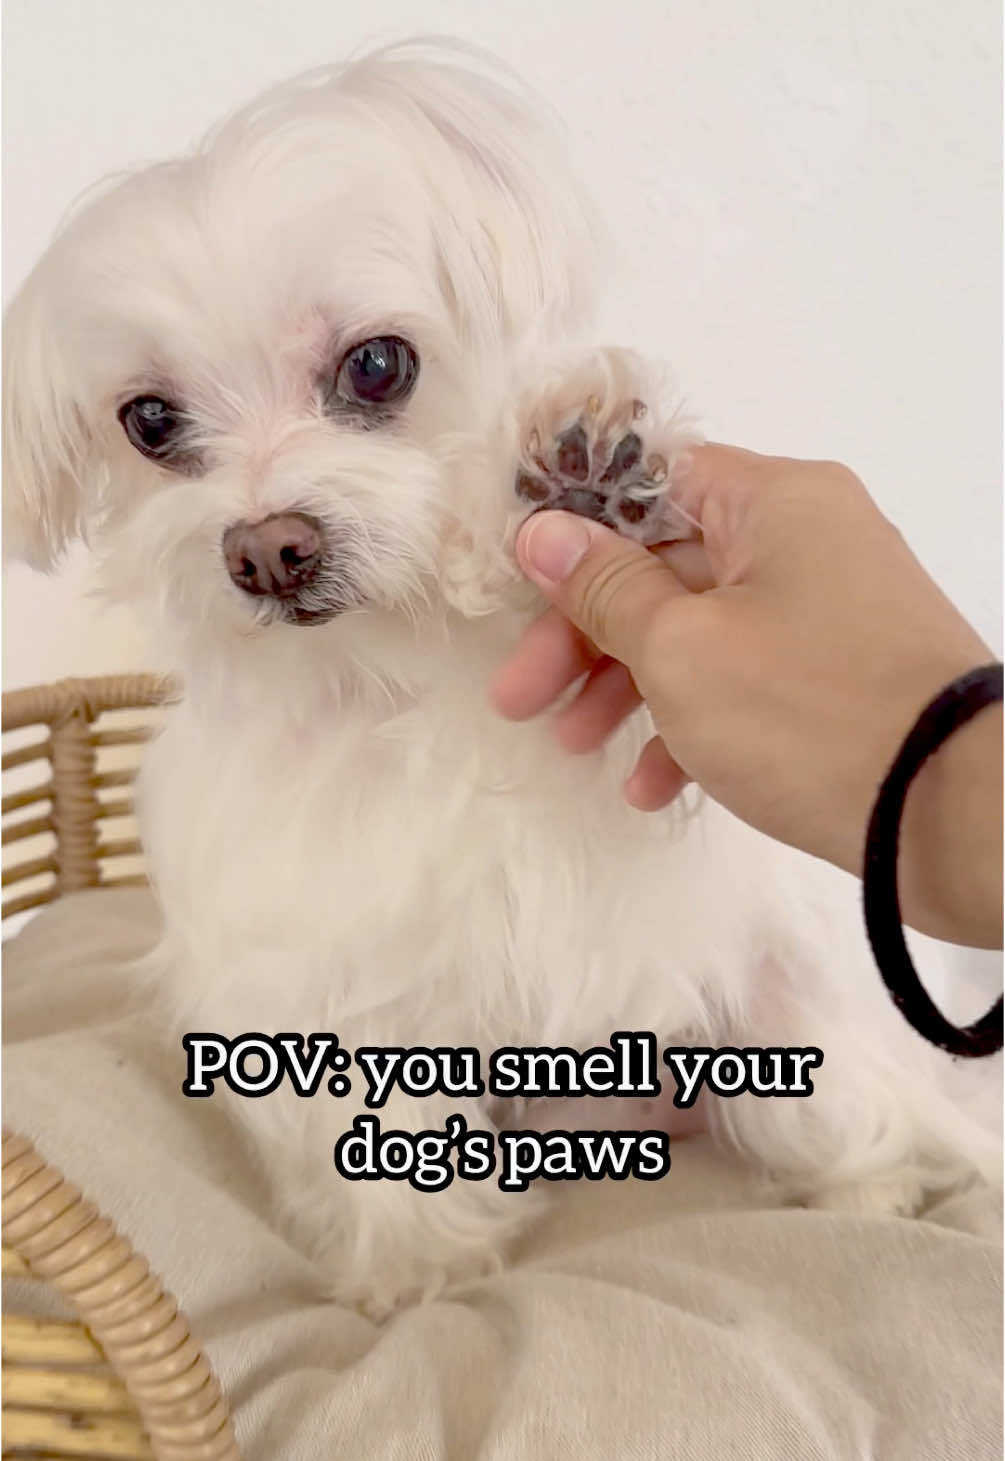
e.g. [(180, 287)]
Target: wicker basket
[(125, 1380)]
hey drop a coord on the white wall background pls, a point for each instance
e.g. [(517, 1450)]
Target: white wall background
[(809, 193), (809, 190)]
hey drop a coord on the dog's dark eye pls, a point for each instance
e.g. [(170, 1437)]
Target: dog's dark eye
[(379, 372), (153, 426)]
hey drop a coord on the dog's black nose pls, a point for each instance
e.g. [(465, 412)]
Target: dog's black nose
[(278, 556)]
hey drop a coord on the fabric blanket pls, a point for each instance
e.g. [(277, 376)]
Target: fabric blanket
[(684, 1318)]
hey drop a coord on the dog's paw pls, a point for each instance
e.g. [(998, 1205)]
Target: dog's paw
[(880, 1196), (380, 1293), (595, 442)]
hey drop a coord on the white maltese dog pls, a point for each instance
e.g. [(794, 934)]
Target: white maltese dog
[(300, 389)]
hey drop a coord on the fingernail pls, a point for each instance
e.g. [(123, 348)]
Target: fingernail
[(553, 543)]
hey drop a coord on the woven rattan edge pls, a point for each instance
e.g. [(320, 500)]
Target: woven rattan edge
[(53, 703), (71, 803), (62, 1238), (127, 1325)]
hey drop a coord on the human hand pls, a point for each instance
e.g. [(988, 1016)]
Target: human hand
[(783, 659)]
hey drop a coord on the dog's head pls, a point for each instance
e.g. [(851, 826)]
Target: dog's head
[(266, 380)]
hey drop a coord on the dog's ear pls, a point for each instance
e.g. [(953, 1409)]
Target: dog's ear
[(47, 449), (517, 239)]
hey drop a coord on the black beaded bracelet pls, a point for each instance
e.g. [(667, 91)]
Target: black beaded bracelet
[(950, 710)]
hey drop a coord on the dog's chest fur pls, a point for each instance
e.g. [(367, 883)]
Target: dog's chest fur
[(437, 873)]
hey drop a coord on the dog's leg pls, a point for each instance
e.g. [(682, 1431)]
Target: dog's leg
[(385, 1242), (598, 432), (882, 1127)]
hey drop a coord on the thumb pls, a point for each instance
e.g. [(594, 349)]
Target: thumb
[(609, 586)]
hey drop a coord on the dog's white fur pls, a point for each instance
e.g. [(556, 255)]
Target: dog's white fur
[(343, 833)]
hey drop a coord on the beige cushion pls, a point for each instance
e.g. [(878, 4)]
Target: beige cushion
[(677, 1319)]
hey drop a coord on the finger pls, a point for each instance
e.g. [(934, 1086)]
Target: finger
[(551, 655), (609, 586), (656, 780), (607, 698), (690, 565), (716, 487), (712, 467)]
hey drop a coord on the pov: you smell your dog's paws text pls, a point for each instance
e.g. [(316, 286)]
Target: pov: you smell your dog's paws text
[(256, 1065)]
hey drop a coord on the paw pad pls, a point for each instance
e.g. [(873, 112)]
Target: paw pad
[(600, 436), (616, 482)]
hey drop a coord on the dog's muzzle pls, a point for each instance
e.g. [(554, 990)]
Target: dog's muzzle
[(282, 559)]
